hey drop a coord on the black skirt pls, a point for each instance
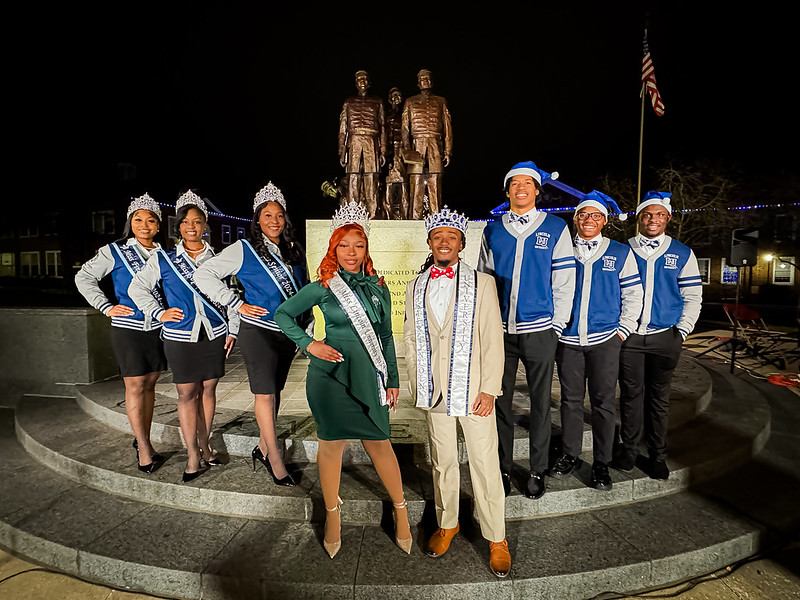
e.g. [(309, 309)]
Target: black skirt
[(267, 355), (138, 352), (192, 362)]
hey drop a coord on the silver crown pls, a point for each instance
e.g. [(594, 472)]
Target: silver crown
[(352, 212), (269, 193), (144, 202), (191, 198), (447, 218)]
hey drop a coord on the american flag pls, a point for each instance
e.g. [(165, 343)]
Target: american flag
[(649, 80)]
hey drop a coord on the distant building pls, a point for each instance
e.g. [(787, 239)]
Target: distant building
[(40, 253)]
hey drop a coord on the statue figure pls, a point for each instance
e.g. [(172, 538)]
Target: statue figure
[(362, 144), (396, 200), (426, 128)]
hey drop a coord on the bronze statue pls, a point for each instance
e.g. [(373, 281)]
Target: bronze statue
[(396, 199), (362, 144), (426, 128)]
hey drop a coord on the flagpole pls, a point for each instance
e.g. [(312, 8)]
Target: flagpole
[(641, 145)]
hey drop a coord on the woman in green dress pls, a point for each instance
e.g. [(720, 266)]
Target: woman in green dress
[(352, 378)]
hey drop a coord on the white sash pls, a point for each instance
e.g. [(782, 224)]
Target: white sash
[(351, 305), (463, 320)]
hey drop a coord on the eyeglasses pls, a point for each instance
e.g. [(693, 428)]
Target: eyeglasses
[(596, 216)]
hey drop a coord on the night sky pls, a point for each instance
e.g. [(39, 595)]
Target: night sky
[(224, 99)]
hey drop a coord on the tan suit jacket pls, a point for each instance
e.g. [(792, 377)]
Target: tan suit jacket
[(480, 433), (488, 355)]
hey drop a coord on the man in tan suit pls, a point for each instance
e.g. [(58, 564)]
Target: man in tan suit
[(453, 340)]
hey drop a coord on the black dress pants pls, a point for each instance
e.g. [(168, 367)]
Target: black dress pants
[(537, 352), (646, 365), (597, 367)]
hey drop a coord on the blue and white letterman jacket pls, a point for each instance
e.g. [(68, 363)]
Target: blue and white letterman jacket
[(265, 284), (673, 290), (534, 271), (608, 295), (122, 263), (175, 270)]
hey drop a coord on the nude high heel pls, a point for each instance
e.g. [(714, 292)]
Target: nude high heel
[(333, 547), (404, 544)]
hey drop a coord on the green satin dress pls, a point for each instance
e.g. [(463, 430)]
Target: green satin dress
[(344, 397)]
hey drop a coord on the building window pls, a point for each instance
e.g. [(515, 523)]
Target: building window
[(729, 274), (704, 265), (172, 227), (240, 233), (103, 222), (783, 270), (7, 264), (29, 264), (226, 234), (26, 231), (52, 263)]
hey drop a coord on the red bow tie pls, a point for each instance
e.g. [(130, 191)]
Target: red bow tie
[(436, 272)]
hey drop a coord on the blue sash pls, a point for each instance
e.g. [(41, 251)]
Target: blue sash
[(134, 262), (280, 274), (184, 268)]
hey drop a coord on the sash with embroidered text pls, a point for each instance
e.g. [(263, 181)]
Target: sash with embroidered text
[(134, 262), (185, 270), (351, 305), (461, 353)]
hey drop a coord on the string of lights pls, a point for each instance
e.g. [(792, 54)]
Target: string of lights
[(499, 211), (210, 213)]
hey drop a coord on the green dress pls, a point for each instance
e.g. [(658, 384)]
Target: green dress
[(344, 397)]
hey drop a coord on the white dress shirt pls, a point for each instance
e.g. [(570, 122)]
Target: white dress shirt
[(440, 292), (649, 250), (584, 252)]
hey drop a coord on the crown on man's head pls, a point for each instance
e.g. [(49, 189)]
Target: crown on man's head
[(189, 197), (352, 212), (447, 218), (269, 193), (144, 202)]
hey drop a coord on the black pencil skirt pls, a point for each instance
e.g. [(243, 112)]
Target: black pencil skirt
[(138, 352), (267, 355), (192, 362)]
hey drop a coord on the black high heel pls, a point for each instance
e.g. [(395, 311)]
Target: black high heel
[(148, 468), (156, 457), (258, 455), (214, 462), (190, 476)]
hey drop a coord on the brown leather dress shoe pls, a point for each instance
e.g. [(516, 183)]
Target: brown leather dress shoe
[(440, 541), (499, 558)]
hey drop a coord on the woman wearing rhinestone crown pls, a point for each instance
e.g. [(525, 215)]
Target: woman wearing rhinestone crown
[(352, 377), (271, 268), (197, 337), (134, 335)]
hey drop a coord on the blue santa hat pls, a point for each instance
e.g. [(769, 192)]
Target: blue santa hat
[(653, 197), (529, 168), (602, 203)]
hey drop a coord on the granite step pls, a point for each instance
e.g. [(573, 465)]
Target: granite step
[(140, 546), (236, 430), (58, 433)]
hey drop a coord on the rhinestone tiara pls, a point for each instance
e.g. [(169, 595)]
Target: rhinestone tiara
[(191, 198), (144, 202), (269, 193), (447, 218), (352, 212)]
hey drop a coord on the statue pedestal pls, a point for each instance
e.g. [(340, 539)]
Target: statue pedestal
[(398, 249)]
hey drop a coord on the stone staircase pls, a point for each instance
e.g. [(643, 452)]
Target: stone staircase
[(72, 499)]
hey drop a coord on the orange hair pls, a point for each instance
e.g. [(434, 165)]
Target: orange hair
[(330, 264)]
